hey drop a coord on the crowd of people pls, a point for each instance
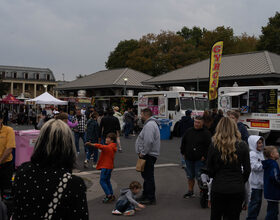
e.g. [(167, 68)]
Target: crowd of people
[(241, 168), (54, 158)]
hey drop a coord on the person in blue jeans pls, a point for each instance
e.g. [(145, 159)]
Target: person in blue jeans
[(92, 136), (126, 203), (106, 164), (271, 182), (256, 144), (194, 148)]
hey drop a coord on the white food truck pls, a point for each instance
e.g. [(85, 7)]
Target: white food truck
[(173, 104), (259, 106)]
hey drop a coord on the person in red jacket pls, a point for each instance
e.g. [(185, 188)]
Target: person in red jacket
[(106, 164)]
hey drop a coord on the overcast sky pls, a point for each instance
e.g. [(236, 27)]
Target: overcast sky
[(75, 37)]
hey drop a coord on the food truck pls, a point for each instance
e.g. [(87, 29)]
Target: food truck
[(259, 106), (173, 104)]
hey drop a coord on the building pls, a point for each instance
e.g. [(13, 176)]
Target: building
[(27, 81), (246, 69), (107, 87)]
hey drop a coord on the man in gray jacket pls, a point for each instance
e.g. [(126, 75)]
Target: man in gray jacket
[(148, 147)]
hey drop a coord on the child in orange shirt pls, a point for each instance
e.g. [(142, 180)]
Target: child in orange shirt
[(106, 164)]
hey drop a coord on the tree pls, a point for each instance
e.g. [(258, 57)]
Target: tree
[(245, 43), (219, 34), (270, 38), (192, 36), (118, 57), (155, 54), (160, 53)]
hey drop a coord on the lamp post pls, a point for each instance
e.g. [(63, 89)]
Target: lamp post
[(46, 87), (125, 81)]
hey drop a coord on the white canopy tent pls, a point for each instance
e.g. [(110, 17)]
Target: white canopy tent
[(47, 99)]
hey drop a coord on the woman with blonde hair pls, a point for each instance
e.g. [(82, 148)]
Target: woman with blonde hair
[(45, 187), (229, 166)]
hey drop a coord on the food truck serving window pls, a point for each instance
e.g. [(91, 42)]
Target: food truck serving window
[(187, 103), (263, 100), (171, 104)]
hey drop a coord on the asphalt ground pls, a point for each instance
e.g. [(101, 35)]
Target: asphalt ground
[(171, 184)]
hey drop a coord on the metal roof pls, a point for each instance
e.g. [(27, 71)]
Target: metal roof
[(246, 65), (109, 78), (24, 68)]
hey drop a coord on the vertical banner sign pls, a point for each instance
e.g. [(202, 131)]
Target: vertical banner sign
[(214, 70)]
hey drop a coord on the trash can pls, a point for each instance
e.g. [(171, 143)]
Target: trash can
[(25, 142), (164, 128)]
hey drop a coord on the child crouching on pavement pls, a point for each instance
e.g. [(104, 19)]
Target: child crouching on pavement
[(126, 203), (271, 182), (106, 164)]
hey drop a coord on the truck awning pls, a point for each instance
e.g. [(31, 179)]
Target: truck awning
[(233, 94)]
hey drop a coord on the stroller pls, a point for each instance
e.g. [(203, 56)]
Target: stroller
[(204, 183)]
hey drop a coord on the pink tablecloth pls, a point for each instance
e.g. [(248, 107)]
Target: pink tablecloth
[(25, 141)]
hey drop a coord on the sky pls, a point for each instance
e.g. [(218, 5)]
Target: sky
[(76, 37)]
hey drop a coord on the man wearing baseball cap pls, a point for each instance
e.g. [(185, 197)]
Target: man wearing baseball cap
[(7, 144)]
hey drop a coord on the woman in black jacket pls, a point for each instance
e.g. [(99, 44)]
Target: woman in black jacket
[(45, 187), (229, 166)]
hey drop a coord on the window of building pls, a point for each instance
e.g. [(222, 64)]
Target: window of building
[(37, 76), (15, 86), (48, 76), (26, 87), (25, 75), (3, 75), (15, 74)]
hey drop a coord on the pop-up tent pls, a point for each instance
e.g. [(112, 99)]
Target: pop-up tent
[(47, 99), (10, 99)]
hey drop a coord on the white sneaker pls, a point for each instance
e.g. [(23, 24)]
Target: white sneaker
[(116, 212), (86, 161), (94, 166), (129, 212)]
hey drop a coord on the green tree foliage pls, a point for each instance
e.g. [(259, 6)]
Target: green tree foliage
[(160, 53), (192, 36), (270, 38), (118, 58), (155, 54)]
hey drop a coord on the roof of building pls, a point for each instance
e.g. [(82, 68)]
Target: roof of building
[(26, 69), (109, 78), (245, 65)]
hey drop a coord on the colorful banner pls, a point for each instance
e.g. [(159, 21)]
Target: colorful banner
[(215, 63)]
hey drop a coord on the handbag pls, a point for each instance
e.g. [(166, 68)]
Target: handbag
[(57, 196), (140, 165)]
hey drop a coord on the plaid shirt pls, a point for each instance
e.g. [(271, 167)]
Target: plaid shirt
[(81, 123)]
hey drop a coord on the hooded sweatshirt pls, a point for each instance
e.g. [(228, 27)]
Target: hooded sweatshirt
[(148, 141), (126, 194), (271, 180), (256, 158), (185, 123)]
